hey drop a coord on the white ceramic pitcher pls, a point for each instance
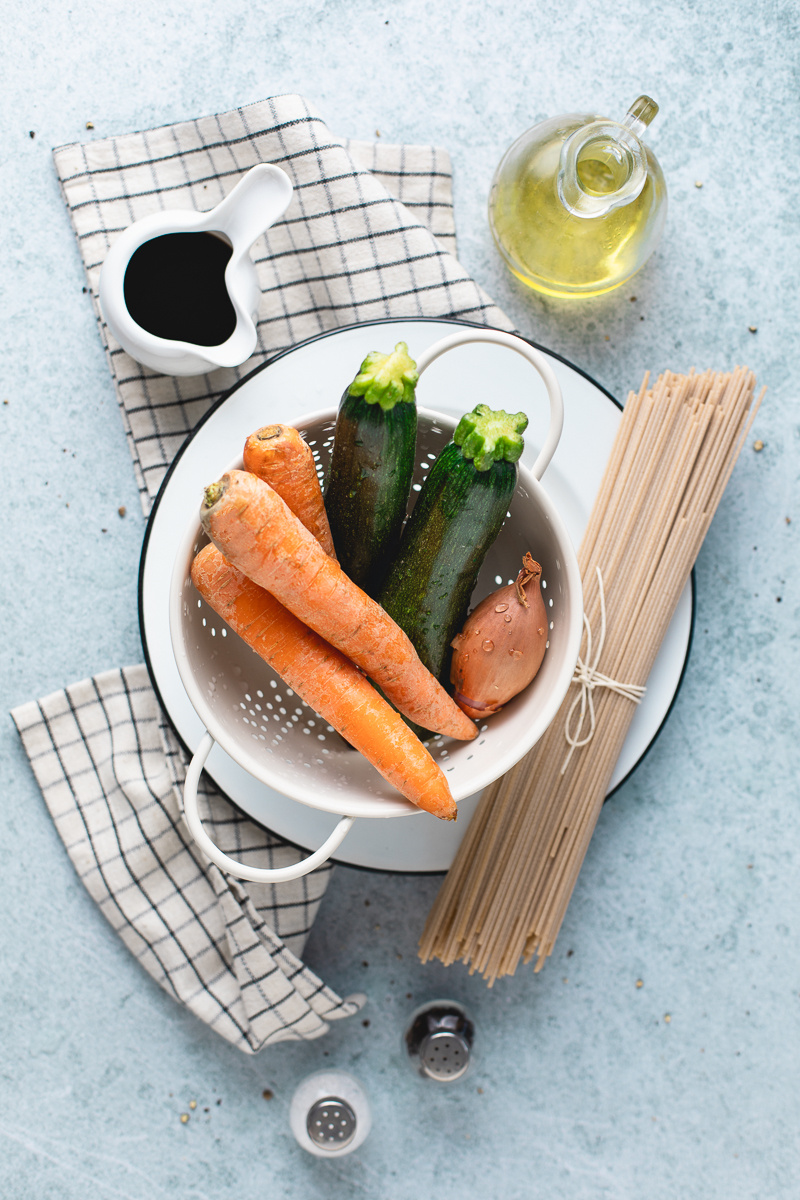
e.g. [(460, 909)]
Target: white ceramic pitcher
[(257, 201)]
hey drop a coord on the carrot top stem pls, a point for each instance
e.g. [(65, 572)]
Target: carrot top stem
[(387, 379)]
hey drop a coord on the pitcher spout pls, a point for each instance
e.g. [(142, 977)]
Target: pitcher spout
[(603, 165)]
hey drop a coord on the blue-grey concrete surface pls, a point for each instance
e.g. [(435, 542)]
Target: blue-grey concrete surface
[(583, 1089)]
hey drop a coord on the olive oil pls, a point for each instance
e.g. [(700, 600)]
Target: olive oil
[(575, 215)]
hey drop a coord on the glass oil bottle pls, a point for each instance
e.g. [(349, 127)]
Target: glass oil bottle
[(578, 202)]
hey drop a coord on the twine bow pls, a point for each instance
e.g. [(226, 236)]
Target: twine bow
[(588, 677)]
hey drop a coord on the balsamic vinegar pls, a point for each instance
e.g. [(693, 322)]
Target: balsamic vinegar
[(175, 288)]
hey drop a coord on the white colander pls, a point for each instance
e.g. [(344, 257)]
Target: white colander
[(269, 731)]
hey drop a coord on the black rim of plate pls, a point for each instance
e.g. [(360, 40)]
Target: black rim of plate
[(218, 403)]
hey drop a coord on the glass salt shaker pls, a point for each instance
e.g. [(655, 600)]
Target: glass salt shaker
[(330, 1114)]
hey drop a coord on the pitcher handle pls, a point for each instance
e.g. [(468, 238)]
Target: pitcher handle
[(237, 869), (534, 356), (259, 199)]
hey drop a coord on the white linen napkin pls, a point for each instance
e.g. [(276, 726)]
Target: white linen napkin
[(369, 234)]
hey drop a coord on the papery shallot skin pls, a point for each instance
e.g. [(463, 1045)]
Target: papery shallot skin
[(502, 644)]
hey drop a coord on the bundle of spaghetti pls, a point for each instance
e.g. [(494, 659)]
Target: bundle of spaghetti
[(506, 893)]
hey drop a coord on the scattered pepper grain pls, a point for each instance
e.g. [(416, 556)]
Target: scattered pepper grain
[(122, 510), (268, 1093)]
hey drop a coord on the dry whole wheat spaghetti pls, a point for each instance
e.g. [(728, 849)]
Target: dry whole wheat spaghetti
[(506, 893)]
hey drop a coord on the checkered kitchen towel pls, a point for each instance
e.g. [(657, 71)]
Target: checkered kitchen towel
[(111, 771), (369, 234)]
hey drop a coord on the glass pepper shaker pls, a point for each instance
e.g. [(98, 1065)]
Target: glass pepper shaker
[(438, 1040)]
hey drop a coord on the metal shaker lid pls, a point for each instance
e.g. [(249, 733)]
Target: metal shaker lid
[(331, 1123), (444, 1055)]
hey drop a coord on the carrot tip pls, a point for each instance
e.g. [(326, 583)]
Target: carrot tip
[(213, 493)]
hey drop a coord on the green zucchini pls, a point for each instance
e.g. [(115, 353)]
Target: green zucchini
[(458, 514), (369, 479)]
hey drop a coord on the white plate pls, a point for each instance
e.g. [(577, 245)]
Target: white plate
[(312, 376)]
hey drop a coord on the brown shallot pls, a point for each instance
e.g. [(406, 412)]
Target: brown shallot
[(501, 646)]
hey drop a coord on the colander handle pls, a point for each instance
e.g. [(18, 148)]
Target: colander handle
[(237, 869), (534, 357)]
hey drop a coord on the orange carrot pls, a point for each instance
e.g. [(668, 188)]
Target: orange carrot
[(326, 680), (279, 455), (257, 532)]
